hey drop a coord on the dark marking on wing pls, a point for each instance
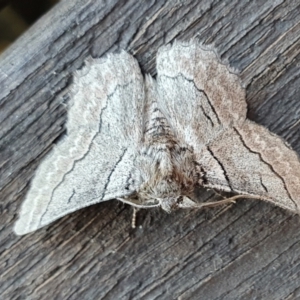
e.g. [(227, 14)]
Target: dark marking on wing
[(222, 167), (112, 171)]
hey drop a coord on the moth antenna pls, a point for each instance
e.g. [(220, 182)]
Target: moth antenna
[(230, 200)]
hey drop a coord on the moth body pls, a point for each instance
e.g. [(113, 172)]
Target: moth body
[(169, 175)]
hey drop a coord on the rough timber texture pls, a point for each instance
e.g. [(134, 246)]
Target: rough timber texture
[(247, 251)]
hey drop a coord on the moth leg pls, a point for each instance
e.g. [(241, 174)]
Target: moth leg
[(138, 205), (134, 213), (219, 194)]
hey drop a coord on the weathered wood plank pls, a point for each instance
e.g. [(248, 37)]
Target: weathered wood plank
[(248, 251)]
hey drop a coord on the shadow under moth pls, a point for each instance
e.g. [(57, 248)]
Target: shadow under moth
[(153, 142)]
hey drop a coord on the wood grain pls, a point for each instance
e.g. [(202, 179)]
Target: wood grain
[(246, 251)]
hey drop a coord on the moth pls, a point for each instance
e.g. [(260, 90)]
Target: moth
[(153, 143)]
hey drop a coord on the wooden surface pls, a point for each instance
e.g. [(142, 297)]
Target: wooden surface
[(247, 251)]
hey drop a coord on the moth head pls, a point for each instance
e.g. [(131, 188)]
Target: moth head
[(172, 203)]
